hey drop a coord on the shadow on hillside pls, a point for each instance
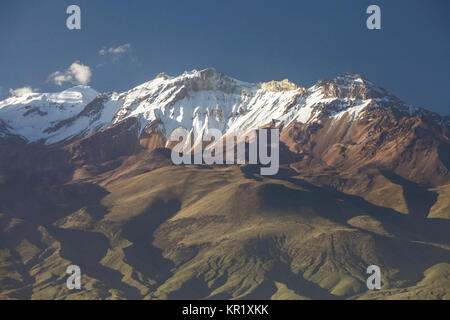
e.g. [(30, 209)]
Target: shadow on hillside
[(37, 200), (85, 249), (295, 282), (444, 154), (333, 205), (40, 203), (418, 199), (403, 251), (142, 255)]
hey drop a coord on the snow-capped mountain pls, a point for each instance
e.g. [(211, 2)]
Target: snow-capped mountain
[(33, 115), (195, 100), (363, 179)]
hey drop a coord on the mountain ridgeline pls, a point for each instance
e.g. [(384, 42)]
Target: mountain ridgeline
[(86, 178)]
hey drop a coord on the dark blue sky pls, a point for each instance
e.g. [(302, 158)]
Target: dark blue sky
[(249, 40)]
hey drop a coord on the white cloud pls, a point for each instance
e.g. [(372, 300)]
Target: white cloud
[(116, 51), (77, 73), (21, 91)]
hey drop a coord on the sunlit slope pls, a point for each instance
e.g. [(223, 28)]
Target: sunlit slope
[(441, 209), (31, 265), (226, 232)]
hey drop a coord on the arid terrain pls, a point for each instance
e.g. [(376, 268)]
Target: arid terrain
[(363, 180)]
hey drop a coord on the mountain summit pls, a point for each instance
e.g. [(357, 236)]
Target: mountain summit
[(194, 100), (347, 122), (86, 178)]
